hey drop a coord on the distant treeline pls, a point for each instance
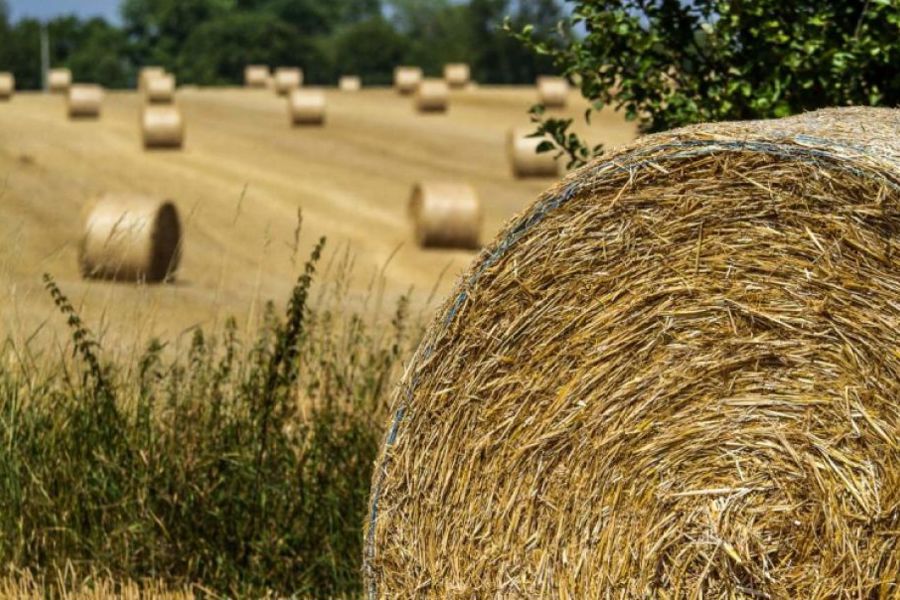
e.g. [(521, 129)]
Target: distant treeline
[(208, 42)]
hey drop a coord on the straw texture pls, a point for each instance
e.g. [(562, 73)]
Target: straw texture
[(256, 76), (84, 101), (130, 238), (432, 95), (162, 126), (59, 80), (553, 92), (307, 107), (407, 79), (160, 89), (148, 73), (7, 85), (676, 375), (457, 75), (350, 83), (287, 79), (524, 158), (445, 215)]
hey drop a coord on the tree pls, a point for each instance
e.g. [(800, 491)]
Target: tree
[(372, 49), (669, 63)]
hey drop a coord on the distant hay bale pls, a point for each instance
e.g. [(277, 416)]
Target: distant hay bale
[(7, 85), (162, 126), (160, 89), (130, 238), (675, 376), (287, 79), (148, 73), (457, 75), (432, 95), (524, 158), (59, 80), (553, 92), (307, 107), (84, 101), (350, 83), (445, 215), (256, 76), (407, 79)]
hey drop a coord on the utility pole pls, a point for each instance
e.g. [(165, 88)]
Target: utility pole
[(45, 55)]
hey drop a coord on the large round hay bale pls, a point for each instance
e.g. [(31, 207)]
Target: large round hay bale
[(457, 75), (160, 89), (59, 80), (130, 238), (287, 79), (307, 107), (350, 83), (84, 100), (432, 95), (524, 158), (445, 215), (162, 126), (676, 375), (407, 79), (7, 85), (256, 76), (148, 73), (553, 92)]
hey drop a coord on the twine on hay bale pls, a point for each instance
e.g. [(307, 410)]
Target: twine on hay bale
[(349, 83), (256, 76), (287, 79), (130, 238), (553, 92), (307, 107), (432, 96), (148, 73), (59, 80), (7, 85), (160, 89), (407, 79), (676, 375), (457, 75), (445, 215), (162, 126), (524, 158), (84, 101)]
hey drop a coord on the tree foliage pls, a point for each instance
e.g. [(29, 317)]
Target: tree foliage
[(670, 63)]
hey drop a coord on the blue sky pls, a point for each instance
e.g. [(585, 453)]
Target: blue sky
[(43, 9)]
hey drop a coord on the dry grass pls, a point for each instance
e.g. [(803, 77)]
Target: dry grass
[(677, 375)]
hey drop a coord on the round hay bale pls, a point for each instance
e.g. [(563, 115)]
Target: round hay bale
[(457, 75), (287, 79), (407, 79), (552, 91), (445, 215), (307, 107), (84, 101), (148, 73), (7, 85), (130, 238), (256, 76), (350, 83), (160, 89), (162, 126), (432, 95), (59, 80), (524, 158), (676, 375)]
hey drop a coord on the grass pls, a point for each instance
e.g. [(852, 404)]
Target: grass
[(241, 466)]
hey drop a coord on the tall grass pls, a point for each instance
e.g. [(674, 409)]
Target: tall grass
[(240, 465)]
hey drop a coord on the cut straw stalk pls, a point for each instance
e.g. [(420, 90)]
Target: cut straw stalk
[(674, 376)]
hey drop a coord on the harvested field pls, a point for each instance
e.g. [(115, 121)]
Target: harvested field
[(238, 183)]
